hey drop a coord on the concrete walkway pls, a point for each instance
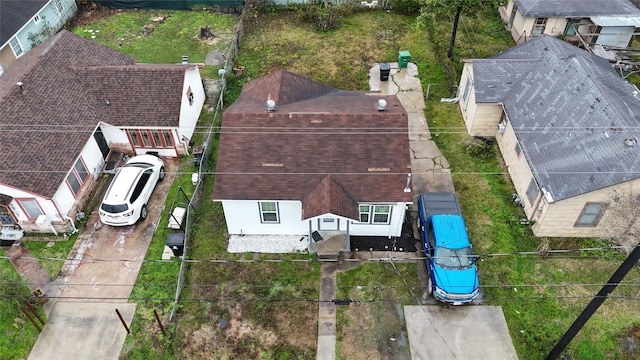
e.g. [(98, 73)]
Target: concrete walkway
[(429, 169)]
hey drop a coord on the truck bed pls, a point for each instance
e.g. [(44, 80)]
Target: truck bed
[(439, 203)]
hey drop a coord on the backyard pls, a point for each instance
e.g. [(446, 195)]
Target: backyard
[(247, 306)]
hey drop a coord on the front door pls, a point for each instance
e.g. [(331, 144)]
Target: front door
[(329, 223)]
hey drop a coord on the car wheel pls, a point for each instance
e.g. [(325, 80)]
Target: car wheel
[(429, 286), (161, 175), (143, 212)]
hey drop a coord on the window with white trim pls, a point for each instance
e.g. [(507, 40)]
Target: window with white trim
[(150, 138), (31, 207), (36, 19), (269, 212), (374, 214), (77, 177), (591, 214), (538, 27), (15, 46), (59, 6)]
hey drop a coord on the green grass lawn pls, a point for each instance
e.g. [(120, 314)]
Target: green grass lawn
[(171, 39)]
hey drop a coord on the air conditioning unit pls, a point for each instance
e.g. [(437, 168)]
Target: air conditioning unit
[(43, 222)]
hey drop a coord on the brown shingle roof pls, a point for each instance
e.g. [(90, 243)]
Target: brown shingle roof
[(65, 82), (288, 154)]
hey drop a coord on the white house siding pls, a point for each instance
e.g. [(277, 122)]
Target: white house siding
[(92, 157), (45, 204), (189, 113), (243, 217), (394, 228), (116, 138)]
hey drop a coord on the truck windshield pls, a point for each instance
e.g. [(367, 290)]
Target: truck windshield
[(454, 258)]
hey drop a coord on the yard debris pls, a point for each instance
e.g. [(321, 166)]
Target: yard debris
[(148, 29), (206, 33), (239, 70), (160, 19)]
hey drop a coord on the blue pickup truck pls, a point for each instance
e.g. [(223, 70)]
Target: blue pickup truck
[(453, 276)]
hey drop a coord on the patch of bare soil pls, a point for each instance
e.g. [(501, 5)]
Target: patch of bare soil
[(375, 331), (631, 343), (89, 12)]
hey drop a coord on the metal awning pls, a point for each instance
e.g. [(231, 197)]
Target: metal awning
[(616, 20)]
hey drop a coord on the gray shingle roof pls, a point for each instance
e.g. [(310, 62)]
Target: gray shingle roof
[(66, 81), (14, 14), (315, 131), (576, 8), (571, 114)]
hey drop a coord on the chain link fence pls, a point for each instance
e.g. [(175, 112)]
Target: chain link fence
[(206, 156)]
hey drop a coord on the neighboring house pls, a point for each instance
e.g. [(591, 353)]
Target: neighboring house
[(594, 22), (567, 126), (322, 160), (69, 102), (26, 23)]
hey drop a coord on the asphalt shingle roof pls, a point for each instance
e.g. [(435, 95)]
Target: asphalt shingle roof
[(571, 113), (14, 14), (576, 8), (66, 82), (325, 147)]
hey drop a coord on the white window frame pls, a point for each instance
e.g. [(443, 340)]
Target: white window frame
[(371, 211), (15, 43), (59, 6), (263, 212), (78, 176), (23, 202)]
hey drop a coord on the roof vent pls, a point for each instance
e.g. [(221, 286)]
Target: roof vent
[(185, 60), (382, 104), (271, 105), (630, 142)]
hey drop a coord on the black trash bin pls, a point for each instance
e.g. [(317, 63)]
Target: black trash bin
[(175, 241), (385, 69), (197, 155)]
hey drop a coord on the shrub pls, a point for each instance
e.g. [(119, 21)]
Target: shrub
[(409, 7)]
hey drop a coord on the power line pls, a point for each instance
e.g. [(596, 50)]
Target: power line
[(313, 300), (381, 259)]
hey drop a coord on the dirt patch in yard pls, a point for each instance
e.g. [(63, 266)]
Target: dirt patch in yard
[(89, 12), (375, 330)]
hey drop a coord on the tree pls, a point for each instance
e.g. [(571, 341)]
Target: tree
[(431, 9)]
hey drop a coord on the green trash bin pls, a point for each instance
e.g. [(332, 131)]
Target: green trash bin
[(403, 58)]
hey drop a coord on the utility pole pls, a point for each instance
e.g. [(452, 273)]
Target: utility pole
[(595, 303)]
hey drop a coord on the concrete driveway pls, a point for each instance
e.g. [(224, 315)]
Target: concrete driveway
[(464, 332), (105, 261)]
